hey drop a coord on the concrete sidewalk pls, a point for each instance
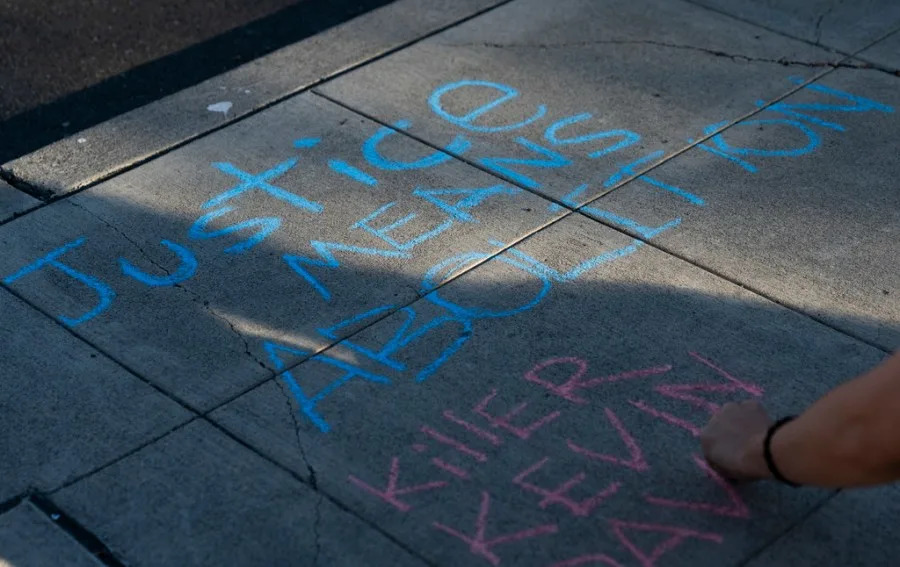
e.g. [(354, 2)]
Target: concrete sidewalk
[(456, 283)]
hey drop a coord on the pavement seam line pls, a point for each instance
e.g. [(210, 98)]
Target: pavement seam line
[(569, 211), (50, 197), (75, 530), (318, 489), (195, 297), (159, 389), (840, 64), (136, 449), (753, 23), (580, 208), (790, 527)]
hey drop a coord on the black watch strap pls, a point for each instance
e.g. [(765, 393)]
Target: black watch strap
[(767, 451)]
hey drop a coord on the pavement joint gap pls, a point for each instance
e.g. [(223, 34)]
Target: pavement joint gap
[(547, 224), (48, 197), (90, 542), (322, 493), (787, 530), (735, 17), (8, 505), (96, 348), (123, 456)]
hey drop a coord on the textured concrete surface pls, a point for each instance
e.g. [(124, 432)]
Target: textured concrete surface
[(845, 26), (204, 339), (65, 409), (28, 538), (407, 349), (804, 208), (14, 202), (885, 53), (199, 498), (605, 88), (96, 153), (827, 538), (655, 324)]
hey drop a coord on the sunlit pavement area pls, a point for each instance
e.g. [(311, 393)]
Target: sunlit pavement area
[(457, 283)]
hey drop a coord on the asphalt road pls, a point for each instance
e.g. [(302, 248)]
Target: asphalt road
[(68, 64)]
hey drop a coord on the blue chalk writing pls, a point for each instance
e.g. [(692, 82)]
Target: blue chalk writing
[(628, 137), (553, 160), (105, 293), (266, 226), (186, 269), (403, 338), (745, 164), (472, 198), (382, 232), (328, 260), (645, 232), (630, 169), (306, 143), (249, 181), (353, 173), (538, 268), (306, 403), (861, 104), (455, 264), (787, 109), (459, 145), (813, 140), (467, 121)]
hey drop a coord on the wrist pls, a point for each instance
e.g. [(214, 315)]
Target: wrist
[(753, 459)]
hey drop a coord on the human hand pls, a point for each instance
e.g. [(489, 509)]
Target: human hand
[(732, 441)]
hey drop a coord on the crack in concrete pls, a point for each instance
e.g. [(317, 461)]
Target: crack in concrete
[(822, 16), (313, 479), (715, 52), (195, 297), (317, 541)]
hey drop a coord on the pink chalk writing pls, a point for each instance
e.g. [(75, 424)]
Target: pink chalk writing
[(681, 392), (486, 435), (503, 422), (751, 389), (455, 471), (559, 495), (676, 536), (588, 560), (736, 508), (459, 446), (480, 546), (567, 389), (391, 492), (676, 421), (635, 458)]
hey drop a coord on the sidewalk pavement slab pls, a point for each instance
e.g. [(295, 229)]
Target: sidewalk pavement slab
[(564, 425), (197, 497), (845, 26), (198, 267), (854, 529), (65, 409), (604, 88), (131, 138), (802, 203), (29, 539), (885, 52), (14, 202)]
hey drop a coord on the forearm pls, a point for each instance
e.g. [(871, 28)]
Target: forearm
[(850, 437)]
